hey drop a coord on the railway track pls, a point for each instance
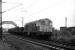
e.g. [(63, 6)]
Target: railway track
[(42, 44), (47, 44)]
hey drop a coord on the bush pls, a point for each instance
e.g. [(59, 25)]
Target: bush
[(73, 32), (65, 37)]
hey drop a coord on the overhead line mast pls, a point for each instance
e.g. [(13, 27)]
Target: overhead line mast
[(65, 21), (22, 21)]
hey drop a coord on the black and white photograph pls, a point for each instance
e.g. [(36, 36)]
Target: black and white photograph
[(37, 24)]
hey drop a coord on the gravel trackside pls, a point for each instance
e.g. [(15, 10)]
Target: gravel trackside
[(5, 46)]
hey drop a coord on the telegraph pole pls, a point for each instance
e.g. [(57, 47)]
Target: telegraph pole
[(1, 19), (22, 21), (65, 21)]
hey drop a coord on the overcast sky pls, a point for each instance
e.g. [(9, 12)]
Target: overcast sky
[(32, 10)]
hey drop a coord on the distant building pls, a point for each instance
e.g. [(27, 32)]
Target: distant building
[(67, 28), (63, 28)]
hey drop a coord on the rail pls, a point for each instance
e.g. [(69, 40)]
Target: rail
[(53, 46), (43, 44), (49, 46)]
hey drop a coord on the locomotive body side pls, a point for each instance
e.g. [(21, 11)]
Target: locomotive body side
[(40, 28), (44, 25)]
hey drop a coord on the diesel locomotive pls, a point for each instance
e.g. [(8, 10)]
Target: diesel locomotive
[(41, 28)]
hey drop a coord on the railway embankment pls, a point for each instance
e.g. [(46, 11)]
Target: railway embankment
[(6, 46), (29, 44), (23, 44)]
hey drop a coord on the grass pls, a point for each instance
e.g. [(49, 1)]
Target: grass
[(6, 46)]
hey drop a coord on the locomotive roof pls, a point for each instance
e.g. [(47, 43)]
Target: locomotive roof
[(46, 19)]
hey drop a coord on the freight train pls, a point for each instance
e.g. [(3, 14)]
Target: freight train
[(41, 29)]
